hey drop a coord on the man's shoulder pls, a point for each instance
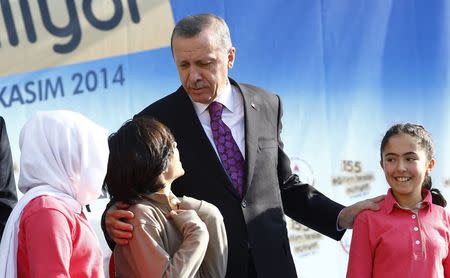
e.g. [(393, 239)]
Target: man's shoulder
[(260, 96), (252, 90), (162, 105)]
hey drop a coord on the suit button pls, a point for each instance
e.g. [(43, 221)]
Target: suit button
[(244, 204)]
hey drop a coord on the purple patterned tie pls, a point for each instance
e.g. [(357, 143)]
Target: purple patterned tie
[(228, 150)]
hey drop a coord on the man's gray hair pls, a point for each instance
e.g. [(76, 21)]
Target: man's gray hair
[(192, 25)]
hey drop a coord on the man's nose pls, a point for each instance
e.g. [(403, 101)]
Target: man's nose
[(194, 74)]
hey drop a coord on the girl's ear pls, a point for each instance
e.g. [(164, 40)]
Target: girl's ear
[(163, 176), (430, 165)]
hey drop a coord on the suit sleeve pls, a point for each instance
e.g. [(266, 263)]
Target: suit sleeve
[(360, 263), (8, 194), (301, 201)]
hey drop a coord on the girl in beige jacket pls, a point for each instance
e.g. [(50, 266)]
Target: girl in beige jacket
[(172, 237)]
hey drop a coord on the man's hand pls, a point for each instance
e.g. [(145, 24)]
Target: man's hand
[(348, 214), (118, 230)]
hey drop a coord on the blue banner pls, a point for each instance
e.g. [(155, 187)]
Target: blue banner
[(345, 70)]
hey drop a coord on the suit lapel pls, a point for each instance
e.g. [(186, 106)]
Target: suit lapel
[(251, 110)]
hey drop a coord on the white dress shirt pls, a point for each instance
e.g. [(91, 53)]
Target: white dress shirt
[(232, 115)]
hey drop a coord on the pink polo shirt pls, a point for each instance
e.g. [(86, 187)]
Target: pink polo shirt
[(395, 242), (54, 241)]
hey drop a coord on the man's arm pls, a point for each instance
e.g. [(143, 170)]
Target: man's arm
[(306, 205), (301, 201), (8, 194)]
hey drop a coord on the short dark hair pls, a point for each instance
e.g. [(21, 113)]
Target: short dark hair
[(139, 152), (192, 25)]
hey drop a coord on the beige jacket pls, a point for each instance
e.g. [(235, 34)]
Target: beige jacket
[(192, 244)]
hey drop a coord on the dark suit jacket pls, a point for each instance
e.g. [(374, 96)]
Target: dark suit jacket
[(8, 195), (255, 224)]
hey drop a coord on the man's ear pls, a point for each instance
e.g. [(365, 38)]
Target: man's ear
[(231, 57)]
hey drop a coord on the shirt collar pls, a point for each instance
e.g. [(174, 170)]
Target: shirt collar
[(163, 199), (391, 202), (225, 98)]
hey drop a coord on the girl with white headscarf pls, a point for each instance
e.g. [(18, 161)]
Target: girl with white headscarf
[(62, 166)]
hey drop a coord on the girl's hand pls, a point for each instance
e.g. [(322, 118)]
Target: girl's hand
[(174, 212)]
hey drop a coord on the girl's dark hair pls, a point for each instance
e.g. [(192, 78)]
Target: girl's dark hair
[(138, 153), (425, 141)]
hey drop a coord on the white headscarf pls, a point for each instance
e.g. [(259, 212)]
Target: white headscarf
[(64, 155)]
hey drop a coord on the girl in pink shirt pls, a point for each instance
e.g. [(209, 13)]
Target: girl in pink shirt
[(410, 235), (62, 167)]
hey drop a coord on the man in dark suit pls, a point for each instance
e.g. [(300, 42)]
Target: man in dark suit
[(8, 195), (253, 207)]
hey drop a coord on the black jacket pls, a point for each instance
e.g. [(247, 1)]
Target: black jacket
[(8, 194), (255, 224)]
